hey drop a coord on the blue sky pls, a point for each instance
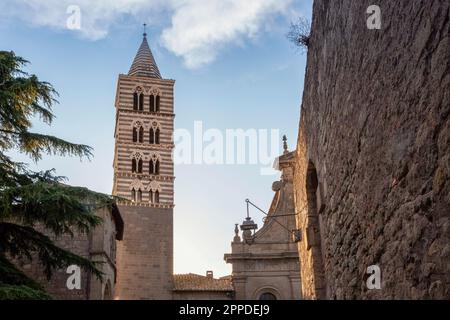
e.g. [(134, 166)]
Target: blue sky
[(233, 66)]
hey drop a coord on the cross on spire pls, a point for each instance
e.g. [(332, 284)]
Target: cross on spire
[(145, 29)]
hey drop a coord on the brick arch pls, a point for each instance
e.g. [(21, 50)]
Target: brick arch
[(154, 155), (138, 98), (138, 155), (156, 91), (138, 123), (155, 132), (139, 88), (154, 186), (267, 289), (137, 185), (107, 292), (155, 124), (155, 99)]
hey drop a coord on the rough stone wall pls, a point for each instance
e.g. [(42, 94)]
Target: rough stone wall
[(103, 249), (373, 154), (145, 256), (57, 286)]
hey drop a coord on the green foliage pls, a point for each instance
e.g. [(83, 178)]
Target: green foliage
[(11, 275), (15, 285), (34, 201), (21, 292), (23, 97), (300, 33)]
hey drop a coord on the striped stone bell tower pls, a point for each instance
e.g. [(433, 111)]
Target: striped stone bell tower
[(143, 174)]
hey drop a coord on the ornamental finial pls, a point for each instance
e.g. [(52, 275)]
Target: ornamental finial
[(236, 238), (285, 146)]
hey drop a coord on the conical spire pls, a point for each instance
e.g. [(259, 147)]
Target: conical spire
[(144, 64)]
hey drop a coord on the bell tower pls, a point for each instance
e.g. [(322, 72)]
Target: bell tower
[(143, 174)]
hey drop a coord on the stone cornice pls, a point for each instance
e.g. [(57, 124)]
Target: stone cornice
[(120, 173), (146, 204), (147, 79), (146, 146), (122, 109), (229, 257)]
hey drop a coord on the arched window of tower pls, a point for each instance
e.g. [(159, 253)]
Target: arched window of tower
[(157, 136), (141, 134), (141, 102), (155, 133), (157, 103), (139, 168), (150, 196), (152, 103), (135, 135), (152, 136), (157, 167), (135, 101)]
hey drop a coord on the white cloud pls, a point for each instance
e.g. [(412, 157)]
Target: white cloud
[(198, 28), (96, 16)]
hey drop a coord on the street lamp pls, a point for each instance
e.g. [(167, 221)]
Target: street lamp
[(248, 227)]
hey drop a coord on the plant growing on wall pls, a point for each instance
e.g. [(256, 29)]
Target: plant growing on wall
[(300, 33)]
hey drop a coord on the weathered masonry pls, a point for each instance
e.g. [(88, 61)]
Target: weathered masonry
[(373, 156)]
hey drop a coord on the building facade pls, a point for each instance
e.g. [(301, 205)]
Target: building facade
[(99, 245), (266, 263), (143, 175)]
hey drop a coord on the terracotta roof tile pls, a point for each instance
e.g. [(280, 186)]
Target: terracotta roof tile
[(195, 282)]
